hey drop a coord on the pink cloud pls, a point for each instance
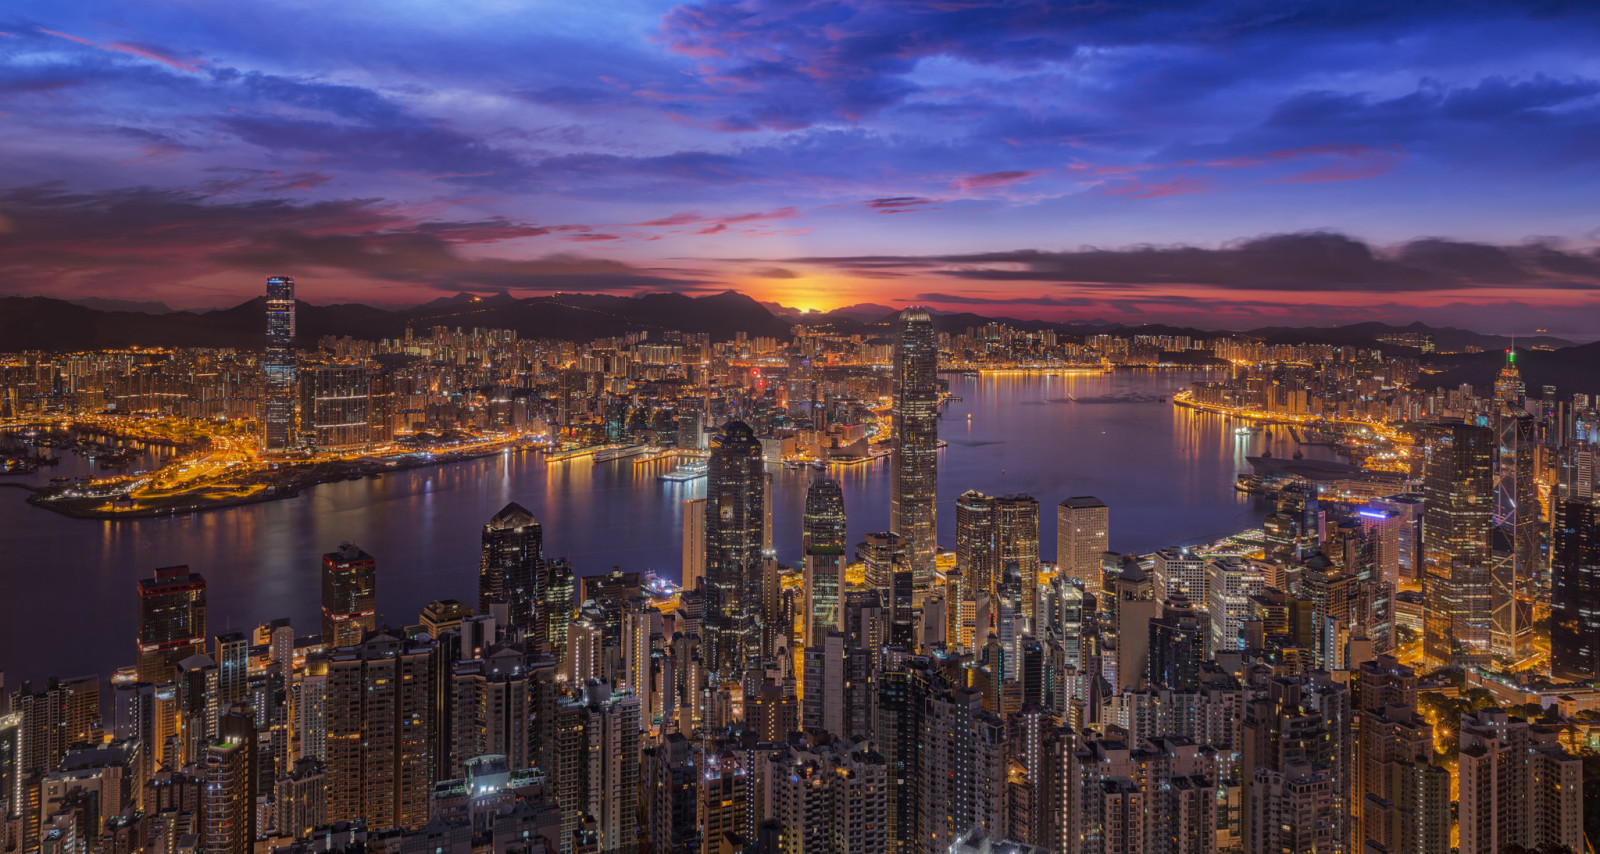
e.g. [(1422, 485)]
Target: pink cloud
[(992, 180), (68, 36), (133, 49), (1341, 162), (676, 219), (713, 229), (901, 204), (592, 238), (155, 151), (1100, 170), (160, 56), (1180, 186), (697, 218), (1371, 164)]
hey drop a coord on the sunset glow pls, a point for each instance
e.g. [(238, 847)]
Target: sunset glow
[(1225, 164)]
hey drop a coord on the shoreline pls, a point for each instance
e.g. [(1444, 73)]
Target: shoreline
[(294, 483)]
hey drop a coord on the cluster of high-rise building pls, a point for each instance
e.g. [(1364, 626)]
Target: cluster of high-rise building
[(888, 695)]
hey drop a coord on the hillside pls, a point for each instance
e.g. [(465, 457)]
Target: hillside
[(41, 323)]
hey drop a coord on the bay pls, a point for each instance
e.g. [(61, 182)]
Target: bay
[(67, 600)]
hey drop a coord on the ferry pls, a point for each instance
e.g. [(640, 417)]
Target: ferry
[(687, 472)]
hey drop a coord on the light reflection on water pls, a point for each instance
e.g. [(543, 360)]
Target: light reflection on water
[(68, 606)]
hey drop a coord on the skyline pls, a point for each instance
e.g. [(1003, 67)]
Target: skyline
[(1332, 615), (1227, 166)]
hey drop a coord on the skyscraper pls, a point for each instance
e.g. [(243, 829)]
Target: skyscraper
[(963, 781), (349, 596), (1458, 488), (1016, 521), (172, 621), (914, 442), (278, 366), (380, 715), (490, 698), (735, 494), (1402, 799), (335, 406), (888, 573), (1516, 522), (1230, 582), (694, 543), (1082, 534), (509, 570), (1575, 591), (1509, 390), (823, 522), (903, 699), (232, 654), (598, 765), (1177, 645), (228, 799), (976, 554), (995, 533), (1519, 788), (822, 543)]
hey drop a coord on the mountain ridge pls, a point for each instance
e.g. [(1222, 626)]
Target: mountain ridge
[(47, 323)]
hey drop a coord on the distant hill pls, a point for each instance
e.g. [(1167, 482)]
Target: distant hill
[(104, 304), (1571, 370), (1444, 338), (42, 323)]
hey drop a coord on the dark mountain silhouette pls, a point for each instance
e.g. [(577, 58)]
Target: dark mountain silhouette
[(1444, 337), (42, 323), (1571, 370), (104, 304)]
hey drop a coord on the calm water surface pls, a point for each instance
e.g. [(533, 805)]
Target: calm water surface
[(67, 585)]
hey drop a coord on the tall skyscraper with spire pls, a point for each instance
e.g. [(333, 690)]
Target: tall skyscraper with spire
[(1516, 515), (914, 442), (735, 522), (278, 366), (1509, 389), (1517, 523)]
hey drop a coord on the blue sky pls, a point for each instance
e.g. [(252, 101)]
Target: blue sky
[(1221, 163)]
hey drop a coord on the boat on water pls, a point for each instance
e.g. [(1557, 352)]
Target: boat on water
[(687, 472)]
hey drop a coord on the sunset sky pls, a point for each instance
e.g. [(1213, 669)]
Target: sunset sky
[(1228, 164)]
